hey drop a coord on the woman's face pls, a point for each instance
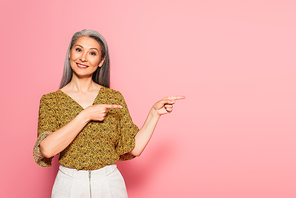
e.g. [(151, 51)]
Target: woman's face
[(85, 56)]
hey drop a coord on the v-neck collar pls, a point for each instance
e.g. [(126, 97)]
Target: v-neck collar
[(96, 98)]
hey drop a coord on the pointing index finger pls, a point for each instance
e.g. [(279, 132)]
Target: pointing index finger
[(113, 106), (176, 97)]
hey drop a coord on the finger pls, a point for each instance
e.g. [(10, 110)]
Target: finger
[(169, 110), (111, 106), (166, 101), (176, 97), (171, 99), (168, 105)]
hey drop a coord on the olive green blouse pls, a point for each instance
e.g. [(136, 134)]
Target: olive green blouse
[(100, 143)]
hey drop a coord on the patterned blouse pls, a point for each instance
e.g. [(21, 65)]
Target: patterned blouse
[(100, 143)]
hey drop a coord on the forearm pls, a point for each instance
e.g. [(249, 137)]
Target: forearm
[(57, 141), (145, 133)]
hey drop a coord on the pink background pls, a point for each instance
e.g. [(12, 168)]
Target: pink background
[(234, 135)]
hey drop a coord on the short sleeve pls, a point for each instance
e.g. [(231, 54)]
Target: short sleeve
[(38, 157), (47, 120), (47, 123), (128, 131)]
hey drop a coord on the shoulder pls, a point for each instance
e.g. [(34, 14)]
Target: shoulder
[(110, 92), (112, 96), (50, 97)]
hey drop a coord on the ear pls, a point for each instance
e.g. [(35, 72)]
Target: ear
[(102, 62)]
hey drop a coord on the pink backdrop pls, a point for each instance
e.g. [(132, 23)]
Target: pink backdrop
[(234, 60)]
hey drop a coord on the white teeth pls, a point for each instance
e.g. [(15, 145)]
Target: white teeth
[(81, 65)]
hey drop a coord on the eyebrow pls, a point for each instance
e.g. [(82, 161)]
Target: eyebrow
[(83, 47)]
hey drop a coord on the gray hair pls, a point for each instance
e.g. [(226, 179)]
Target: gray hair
[(102, 74)]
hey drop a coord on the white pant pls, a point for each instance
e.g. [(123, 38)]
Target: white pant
[(106, 182)]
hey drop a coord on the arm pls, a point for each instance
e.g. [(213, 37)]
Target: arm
[(162, 107), (57, 141)]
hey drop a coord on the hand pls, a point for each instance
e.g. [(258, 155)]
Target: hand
[(165, 105), (98, 112)]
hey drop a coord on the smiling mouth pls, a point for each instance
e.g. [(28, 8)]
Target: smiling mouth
[(82, 66)]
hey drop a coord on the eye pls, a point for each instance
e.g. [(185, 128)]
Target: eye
[(78, 49), (93, 53)]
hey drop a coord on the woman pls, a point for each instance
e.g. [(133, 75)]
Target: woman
[(89, 125)]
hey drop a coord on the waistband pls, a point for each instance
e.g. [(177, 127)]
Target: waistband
[(84, 174)]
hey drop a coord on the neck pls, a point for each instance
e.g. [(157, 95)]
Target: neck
[(81, 84)]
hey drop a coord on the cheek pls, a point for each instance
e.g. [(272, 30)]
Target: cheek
[(73, 56), (95, 61)]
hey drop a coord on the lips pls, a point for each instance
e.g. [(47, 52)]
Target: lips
[(81, 65)]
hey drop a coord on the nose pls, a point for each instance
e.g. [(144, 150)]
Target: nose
[(83, 57)]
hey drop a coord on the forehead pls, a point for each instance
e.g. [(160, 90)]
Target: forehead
[(87, 42)]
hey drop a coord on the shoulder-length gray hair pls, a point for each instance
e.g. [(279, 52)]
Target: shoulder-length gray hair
[(102, 74)]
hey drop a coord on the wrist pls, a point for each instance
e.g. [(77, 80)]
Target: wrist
[(154, 113), (83, 116)]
